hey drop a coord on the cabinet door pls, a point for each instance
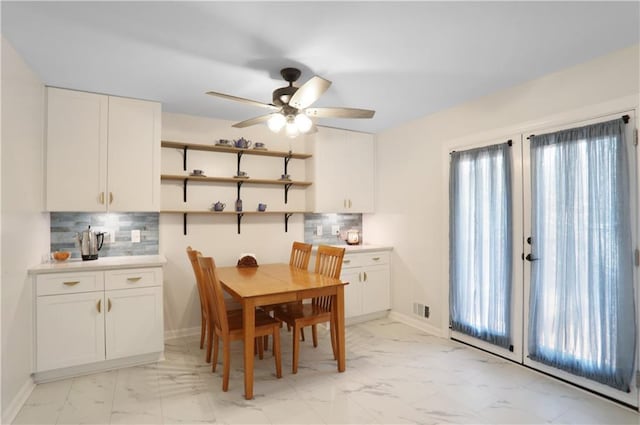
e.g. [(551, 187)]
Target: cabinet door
[(343, 172), (76, 150), (329, 176), (70, 330), (133, 322), (352, 292), (359, 147), (375, 289), (134, 155)]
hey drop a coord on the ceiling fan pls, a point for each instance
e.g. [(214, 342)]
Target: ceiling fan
[(291, 106)]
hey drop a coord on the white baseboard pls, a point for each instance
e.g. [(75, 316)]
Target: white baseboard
[(11, 411), (103, 366), (416, 323), (180, 333)]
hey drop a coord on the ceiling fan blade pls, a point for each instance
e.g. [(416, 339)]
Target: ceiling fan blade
[(309, 92), (252, 121), (243, 100), (339, 113)]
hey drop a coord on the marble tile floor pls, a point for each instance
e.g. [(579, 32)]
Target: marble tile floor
[(395, 375)]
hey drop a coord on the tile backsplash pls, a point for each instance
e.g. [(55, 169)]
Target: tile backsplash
[(344, 221), (64, 227)]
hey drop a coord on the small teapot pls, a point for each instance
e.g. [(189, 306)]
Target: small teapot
[(242, 143), (219, 206)]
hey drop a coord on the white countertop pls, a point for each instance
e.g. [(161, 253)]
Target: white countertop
[(360, 248), (104, 263)]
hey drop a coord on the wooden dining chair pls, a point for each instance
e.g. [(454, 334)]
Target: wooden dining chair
[(229, 327), (300, 256), (328, 263), (233, 309), (204, 313)]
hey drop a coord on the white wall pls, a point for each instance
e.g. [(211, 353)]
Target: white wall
[(414, 155), (217, 236), (25, 228)]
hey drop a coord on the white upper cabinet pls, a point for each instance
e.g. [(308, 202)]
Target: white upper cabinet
[(103, 152), (342, 171)]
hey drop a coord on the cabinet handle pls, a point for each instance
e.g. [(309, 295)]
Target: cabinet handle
[(346, 261), (134, 279), (376, 258), (349, 203), (109, 305), (359, 277), (344, 203), (365, 276), (75, 282), (110, 198), (102, 197), (99, 306)]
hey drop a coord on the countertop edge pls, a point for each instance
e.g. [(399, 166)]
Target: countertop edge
[(360, 248), (105, 263)]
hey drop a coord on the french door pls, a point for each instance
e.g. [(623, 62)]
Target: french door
[(572, 298), (486, 285), (580, 296)]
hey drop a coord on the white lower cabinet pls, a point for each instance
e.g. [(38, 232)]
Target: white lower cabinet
[(70, 330), (91, 317), (368, 290), (134, 322)]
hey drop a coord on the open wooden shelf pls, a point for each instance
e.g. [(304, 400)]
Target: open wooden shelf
[(238, 214), (213, 148), (233, 180)]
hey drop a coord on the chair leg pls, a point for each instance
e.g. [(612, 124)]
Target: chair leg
[(259, 341), (302, 334), (314, 335), (296, 349), (209, 340), (266, 342), (276, 351), (203, 329), (216, 343), (334, 337), (226, 364)]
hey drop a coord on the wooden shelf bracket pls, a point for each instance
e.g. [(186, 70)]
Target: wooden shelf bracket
[(286, 221)]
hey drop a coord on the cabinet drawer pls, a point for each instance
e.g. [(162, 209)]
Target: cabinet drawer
[(364, 259), (69, 283), (133, 278)]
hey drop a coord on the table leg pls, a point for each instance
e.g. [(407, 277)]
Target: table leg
[(248, 321), (338, 317)]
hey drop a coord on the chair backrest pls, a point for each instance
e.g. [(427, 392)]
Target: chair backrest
[(328, 263), (300, 255), (193, 258), (215, 296)]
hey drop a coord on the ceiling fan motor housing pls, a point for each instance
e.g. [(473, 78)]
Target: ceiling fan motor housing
[(282, 95)]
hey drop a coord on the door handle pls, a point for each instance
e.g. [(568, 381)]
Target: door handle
[(102, 197), (365, 276), (109, 305), (529, 240), (75, 282), (530, 258), (99, 306), (110, 198), (133, 279)]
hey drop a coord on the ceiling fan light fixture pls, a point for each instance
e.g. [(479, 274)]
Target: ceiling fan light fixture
[(276, 122), (303, 123), (291, 128)]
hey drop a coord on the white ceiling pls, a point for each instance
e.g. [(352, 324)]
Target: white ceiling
[(405, 60)]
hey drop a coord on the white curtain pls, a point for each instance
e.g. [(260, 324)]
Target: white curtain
[(582, 312), (480, 243)]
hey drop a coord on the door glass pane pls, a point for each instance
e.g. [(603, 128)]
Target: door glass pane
[(481, 244), (582, 311)]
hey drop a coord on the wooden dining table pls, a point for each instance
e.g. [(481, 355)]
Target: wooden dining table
[(280, 283)]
